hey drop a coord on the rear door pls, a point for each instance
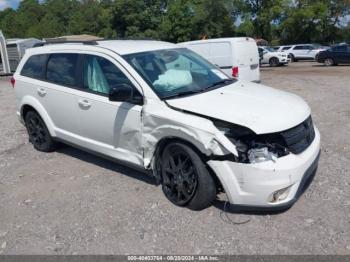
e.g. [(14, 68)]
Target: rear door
[(341, 54), (347, 57), (53, 87), (298, 51), (247, 57), (218, 53), (221, 56), (310, 52), (59, 94)]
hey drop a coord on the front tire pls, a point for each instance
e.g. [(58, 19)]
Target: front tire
[(329, 62), (274, 62), (38, 133), (185, 179)]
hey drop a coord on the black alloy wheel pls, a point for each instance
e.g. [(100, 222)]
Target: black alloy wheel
[(179, 175), (186, 180), (38, 133)]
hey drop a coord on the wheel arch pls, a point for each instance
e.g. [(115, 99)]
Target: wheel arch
[(31, 104), (172, 139), (274, 57)]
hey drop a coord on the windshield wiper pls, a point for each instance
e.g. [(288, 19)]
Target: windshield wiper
[(184, 93), (219, 83), (191, 92)]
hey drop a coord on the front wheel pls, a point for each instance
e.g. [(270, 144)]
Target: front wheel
[(38, 133), (185, 179), (329, 62), (274, 62)]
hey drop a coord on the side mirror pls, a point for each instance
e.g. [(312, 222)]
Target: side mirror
[(124, 93)]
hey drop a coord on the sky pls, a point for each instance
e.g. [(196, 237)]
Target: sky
[(8, 3)]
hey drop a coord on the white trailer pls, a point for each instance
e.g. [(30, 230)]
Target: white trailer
[(5, 65), (16, 49)]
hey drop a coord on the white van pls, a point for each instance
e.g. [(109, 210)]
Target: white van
[(237, 57)]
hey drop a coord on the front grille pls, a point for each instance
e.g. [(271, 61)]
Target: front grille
[(298, 138)]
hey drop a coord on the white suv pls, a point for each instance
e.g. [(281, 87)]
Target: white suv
[(163, 108), (303, 52), (272, 57)]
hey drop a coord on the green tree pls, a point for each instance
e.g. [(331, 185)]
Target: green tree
[(138, 18), (259, 16), (177, 23), (213, 19), (313, 21)]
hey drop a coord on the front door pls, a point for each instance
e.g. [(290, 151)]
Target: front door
[(111, 128)]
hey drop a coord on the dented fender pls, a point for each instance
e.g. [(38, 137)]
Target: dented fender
[(161, 121)]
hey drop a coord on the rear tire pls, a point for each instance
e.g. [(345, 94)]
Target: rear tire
[(292, 58), (274, 62), (38, 133), (185, 179), (329, 62)]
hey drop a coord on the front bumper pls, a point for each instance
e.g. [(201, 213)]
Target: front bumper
[(283, 60), (253, 184)]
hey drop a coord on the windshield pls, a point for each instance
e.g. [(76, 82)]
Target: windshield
[(175, 72), (270, 49)]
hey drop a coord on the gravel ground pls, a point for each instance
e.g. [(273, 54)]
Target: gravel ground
[(70, 202)]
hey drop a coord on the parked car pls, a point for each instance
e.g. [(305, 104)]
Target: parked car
[(237, 57), (303, 51), (271, 57), (339, 54), (283, 48), (167, 111)]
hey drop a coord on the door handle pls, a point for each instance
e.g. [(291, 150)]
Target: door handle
[(41, 91), (84, 103)]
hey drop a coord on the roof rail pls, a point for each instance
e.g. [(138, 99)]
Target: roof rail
[(66, 42), (128, 38)]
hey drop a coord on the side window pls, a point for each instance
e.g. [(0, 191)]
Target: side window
[(286, 48), (298, 47), (35, 67), (61, 69), (340, 49), (100, 75)]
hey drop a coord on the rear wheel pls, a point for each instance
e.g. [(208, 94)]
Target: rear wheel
[(38, 133), (329, 62), (274, 62), (292, 58), (185, 179)]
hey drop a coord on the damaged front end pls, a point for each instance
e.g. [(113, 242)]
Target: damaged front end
[(254, 148)]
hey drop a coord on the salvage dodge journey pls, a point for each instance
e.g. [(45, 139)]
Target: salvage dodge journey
[(168, 111)]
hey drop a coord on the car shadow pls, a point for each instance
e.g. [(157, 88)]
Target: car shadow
[(322, 65), (109, 164)]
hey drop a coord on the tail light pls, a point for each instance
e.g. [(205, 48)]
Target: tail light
[(13, 82), (235, 71)]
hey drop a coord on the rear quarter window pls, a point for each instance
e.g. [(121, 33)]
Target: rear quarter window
[(34, 67)]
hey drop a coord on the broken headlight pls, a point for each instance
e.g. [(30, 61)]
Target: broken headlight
[(252, 148)]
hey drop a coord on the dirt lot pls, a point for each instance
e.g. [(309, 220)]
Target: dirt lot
[(70, 202)]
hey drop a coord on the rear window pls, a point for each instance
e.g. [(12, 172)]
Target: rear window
[(35, 67), (61, 69)]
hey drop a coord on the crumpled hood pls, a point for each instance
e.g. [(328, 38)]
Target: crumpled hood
[(260, 108)]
